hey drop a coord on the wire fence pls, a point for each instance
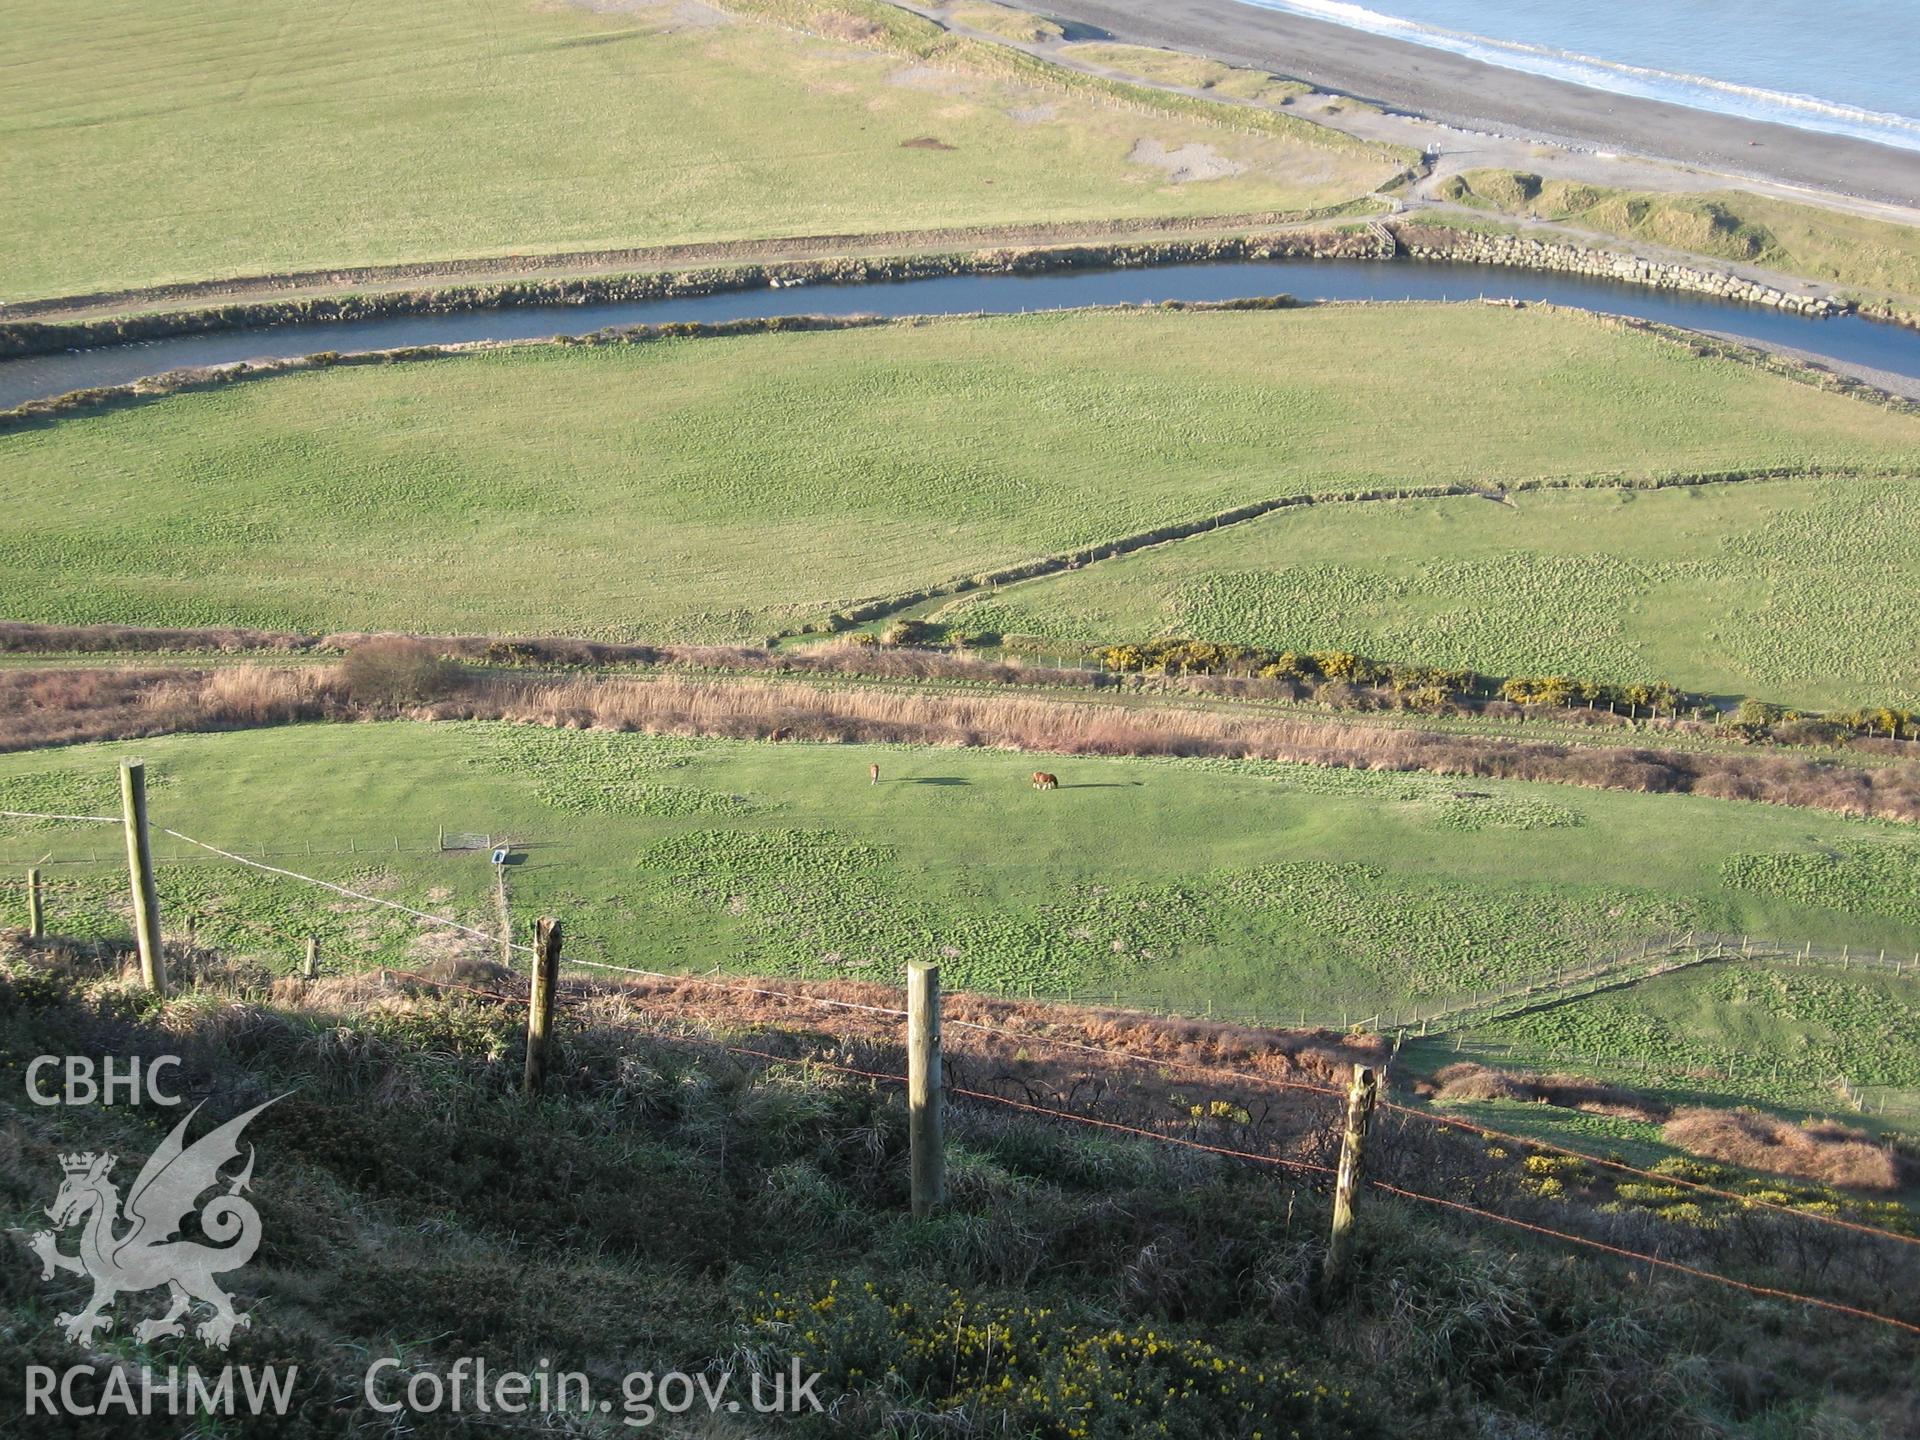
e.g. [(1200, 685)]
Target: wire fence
[(1720, 947), (369, 848), (1314, 1169)]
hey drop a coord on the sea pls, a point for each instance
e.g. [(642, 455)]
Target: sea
[(1849, 67)]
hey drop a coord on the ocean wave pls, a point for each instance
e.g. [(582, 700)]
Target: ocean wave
[(1700, 92)]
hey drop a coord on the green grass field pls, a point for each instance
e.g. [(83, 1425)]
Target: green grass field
[(1781, 1034), (225, 138), (716, 489), (1783, 589), (1256, 889)]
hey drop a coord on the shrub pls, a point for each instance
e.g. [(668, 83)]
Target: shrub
[(1754, 720), (1884, 720), (913, 632), (393, 670)]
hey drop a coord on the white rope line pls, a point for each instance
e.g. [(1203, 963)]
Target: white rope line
[(36, 815), (343, 890), (743, 989)]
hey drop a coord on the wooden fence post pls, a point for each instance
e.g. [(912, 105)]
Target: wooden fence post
[(310, 968), (927, 1161), (1346, 1186), (146, 897), (546, 976), (36, 906)]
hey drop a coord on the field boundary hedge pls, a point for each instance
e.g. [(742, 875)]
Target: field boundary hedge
[(880, 606)]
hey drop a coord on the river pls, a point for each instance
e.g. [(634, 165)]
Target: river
[(1850, 342)]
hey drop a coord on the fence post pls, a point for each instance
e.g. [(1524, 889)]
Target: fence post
[(36, 906), (1360, 1097), (146, 897), (310, 968), (546, 976), (926, 1158)]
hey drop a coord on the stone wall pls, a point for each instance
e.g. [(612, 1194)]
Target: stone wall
[(1436, 242), (28, 337)]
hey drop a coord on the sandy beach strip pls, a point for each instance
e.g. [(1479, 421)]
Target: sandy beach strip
[(1473, 95)]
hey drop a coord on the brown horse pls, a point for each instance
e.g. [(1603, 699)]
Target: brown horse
[(1043, 781), (873, 774)]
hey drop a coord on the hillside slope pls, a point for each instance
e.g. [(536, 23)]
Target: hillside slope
[(673, 1205)]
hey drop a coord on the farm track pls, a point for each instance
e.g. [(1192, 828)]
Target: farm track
[(883, 244)]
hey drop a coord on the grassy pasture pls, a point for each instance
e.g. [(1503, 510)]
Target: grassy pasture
[(224, 138), (1254, 888), (716, 489), (1780, 1034), (1786, 589)]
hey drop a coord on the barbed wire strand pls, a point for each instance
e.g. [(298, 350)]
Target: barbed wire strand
[(490, 938), (1138, 1058), (454, 985), (1137, 1130), (1467, 1125), (1135, 1057), (741, 989), (36, 815), (1127, 1056), (1696, 1272), (992, 1099), (1648, 1259)]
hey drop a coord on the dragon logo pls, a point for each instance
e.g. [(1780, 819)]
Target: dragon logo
[(146, 1255)]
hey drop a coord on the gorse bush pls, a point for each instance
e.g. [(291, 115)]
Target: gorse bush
[(1428, 686), (1033, 1370)]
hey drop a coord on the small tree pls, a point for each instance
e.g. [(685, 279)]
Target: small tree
[(395, 670)]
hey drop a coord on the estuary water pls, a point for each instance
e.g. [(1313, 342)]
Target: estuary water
[(1841, 66), (1847, 338)]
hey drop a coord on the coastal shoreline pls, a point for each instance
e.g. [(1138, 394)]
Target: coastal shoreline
[(1475, 96)]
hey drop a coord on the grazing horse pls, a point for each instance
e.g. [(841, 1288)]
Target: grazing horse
[(873, 774), (781, 734), (1043, 781)]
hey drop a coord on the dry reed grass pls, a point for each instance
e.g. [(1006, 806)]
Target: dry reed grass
[(67, 707), (1064, 726), (1822, 1150), (55, 707)]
